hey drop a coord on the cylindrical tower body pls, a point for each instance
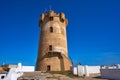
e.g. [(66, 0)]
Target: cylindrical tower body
[(53, 52)]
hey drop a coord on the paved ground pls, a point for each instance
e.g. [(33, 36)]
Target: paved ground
[(49, 76)]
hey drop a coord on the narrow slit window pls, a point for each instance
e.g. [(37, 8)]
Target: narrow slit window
[(51, 29), (50, 47)]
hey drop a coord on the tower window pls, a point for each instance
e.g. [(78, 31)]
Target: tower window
[(50, 47), (62, 20), (51, 18), (51, 29), (48, 68)]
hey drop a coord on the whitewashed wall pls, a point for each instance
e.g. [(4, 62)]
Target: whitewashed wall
[(80, 70), (28, 69), (110, 72), (93, 69), (14, 73), (1, 75), (74, 69), (25, 68), (85, 70)]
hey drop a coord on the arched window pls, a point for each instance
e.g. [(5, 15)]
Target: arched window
[(51, 29)]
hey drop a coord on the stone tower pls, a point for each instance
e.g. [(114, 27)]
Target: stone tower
[(53, 52)]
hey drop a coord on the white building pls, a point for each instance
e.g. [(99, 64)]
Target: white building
[(110, 72), (85, 70), (2, 75), (14, 73)]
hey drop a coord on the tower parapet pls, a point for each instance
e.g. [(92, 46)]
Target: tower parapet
[(50, 16)]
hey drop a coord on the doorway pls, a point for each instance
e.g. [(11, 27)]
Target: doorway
[(48, 68)]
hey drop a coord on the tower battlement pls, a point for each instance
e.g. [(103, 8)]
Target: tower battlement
[(52, 16)]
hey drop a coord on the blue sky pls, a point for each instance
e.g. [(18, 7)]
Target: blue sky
[(93, 30)]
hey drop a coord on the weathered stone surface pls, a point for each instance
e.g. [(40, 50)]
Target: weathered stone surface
[(48, 76), (53, 52)]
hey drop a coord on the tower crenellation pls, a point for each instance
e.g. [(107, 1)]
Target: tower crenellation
[(45, 17)]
